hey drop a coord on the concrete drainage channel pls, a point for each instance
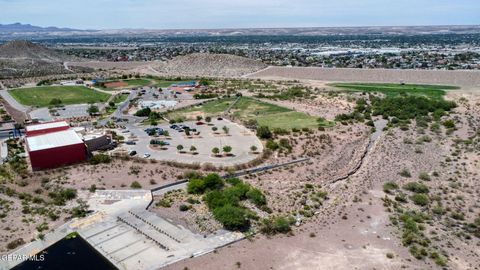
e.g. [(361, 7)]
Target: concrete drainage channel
[(129, 236)]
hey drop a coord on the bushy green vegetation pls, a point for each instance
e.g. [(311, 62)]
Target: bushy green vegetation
[(136, 185), (388, 187), (145, 112), (224, 199), (279, 224), (409, 107), (42, 96), (400, 109), (416, 187), (290, 93), (420, 199), (62, 195), (100, 158), (200, 185), (205, 96), (413, 223), (263, 132)]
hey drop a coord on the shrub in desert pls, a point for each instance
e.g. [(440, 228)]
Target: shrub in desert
[(389, 187), (253, 148), (135, 185), (15, 243), (232, 217), (416, 187), (263, 132), (420, 199), (405, 173), (100, 158), (199, 118), (276, 225), (193, 149), (196, 186), (424, 176), (272, 145), (256, 197), (213, 181), (215, 151), (449, 123)]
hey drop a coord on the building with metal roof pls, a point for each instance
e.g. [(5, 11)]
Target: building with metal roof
[(52, 145), (46, 127)]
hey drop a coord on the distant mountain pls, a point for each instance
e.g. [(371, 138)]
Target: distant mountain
[(28, 28), (31, 32)]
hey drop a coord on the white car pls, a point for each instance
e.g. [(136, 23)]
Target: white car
[(146, 155)]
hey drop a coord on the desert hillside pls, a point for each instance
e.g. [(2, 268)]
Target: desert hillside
[(203, 64), (20, 58)]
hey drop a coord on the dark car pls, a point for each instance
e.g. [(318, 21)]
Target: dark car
[(132, 153), (219, 119), (130, 143), (173, 126)]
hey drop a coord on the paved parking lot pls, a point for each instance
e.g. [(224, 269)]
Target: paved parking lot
[(239, 138), (69, 111)]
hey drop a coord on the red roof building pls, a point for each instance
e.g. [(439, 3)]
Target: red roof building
[(52, 145), (47, 127)]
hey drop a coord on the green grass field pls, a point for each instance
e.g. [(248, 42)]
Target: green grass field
[(41, 96), (164, 83), (137, 82), (245, 109), (120, 98), (392, 90)]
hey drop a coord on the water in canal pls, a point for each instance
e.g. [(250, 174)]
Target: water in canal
[(72, 254)]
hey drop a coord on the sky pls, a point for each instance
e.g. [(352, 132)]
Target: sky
[(206, 14)]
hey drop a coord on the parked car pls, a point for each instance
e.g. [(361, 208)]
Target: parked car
[(199, 123), (219, 118), (146, 155), (130, 143), (132, 153)]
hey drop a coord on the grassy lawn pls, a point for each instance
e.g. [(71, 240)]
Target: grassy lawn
[(120, 98), (245, 109), (137, 82), (392, 90), (164, 83), (41, 96)]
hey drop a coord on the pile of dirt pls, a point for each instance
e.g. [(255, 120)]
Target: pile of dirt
[(210, 65)]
